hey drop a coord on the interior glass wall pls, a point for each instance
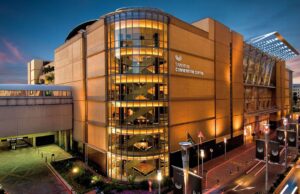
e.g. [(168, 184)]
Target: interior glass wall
[(32, 93), (137, 94), (258, 67)]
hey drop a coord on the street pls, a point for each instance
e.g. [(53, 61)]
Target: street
[(242, 172)]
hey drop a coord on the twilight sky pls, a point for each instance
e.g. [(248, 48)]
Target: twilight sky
[(34, 28)]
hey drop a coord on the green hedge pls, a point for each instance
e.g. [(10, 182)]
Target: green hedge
[(82, 182)]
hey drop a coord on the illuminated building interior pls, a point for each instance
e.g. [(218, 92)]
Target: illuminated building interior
[(137, 94)]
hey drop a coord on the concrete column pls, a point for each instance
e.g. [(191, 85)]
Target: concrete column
[(65, 140), (56, 140), (34, 142), (71, 139), (86, 156), (59, 139)]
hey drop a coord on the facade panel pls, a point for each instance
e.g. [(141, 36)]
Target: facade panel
[(144, 80)]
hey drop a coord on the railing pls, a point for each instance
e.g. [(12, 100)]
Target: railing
[(29, 101)]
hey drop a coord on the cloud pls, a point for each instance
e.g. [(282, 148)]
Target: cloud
[(12, 63), (10, 54), (14, 50)]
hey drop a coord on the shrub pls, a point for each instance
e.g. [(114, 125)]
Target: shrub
[(84, 179), (131, 179), (143, 185), (167, 182)]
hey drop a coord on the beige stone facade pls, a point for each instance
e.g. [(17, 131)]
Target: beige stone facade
[(202, 88)]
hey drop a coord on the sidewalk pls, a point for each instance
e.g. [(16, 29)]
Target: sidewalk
[(220, 171)]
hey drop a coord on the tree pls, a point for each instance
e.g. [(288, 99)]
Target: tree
[(295, 98)]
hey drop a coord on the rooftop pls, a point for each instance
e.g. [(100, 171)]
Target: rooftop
[(275, 45)]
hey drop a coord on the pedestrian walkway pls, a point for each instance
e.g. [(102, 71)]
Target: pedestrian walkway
[(53, 151), (24, 171), (220, 171)]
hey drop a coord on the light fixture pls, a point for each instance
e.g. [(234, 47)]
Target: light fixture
[(202, 153), (75, 170), (159, 178)]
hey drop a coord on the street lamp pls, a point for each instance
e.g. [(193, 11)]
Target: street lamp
[(211, 153), (297, 131), (285, 122), (266, 132), (159, 178), (200, 136), (185, 162), (245, 135), (225, 142), (202, 156), (75, 170)]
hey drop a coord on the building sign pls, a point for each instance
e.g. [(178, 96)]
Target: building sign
[(280, 137), (291, 138), (178, 180), (194, 185), (260, 149), (181, 67), (274, 149)]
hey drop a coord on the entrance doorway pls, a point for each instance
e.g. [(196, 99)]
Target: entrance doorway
[(45, 140)]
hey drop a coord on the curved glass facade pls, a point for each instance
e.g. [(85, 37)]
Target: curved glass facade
[(137, 60)]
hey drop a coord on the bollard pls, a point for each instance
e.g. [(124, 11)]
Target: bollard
[(42, 155)]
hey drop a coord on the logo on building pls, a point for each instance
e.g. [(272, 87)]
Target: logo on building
[(178, 57), (185, 68)]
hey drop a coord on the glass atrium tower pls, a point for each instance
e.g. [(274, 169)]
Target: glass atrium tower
[(137, 43)]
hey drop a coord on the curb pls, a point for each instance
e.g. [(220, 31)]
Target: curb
[(61, 179)]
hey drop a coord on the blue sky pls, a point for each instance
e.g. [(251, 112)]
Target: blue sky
[(34, 28)]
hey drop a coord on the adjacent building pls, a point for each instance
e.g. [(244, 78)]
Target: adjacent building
[(40, 72), (296, 89), (143, 80), (267, 81)]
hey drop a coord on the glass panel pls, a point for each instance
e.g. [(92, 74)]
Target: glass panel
[(138, 94)]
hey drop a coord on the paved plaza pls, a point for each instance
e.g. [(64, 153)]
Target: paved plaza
[(23, 171)]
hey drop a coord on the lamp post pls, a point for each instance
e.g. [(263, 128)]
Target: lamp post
[(185, 162), (159, 178), (211, 153), (200, 136), (297, 135), (202, 156), (266, 131), (225, 142), (285, 122), (245, 135), (199, 156)]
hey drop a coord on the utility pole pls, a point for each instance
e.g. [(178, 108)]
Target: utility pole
[(267, 131), (285, 122)]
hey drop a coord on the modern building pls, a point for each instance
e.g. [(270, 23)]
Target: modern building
[(296, 89), (143, 80), (267, 81), (36, 114), (40, 72)]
